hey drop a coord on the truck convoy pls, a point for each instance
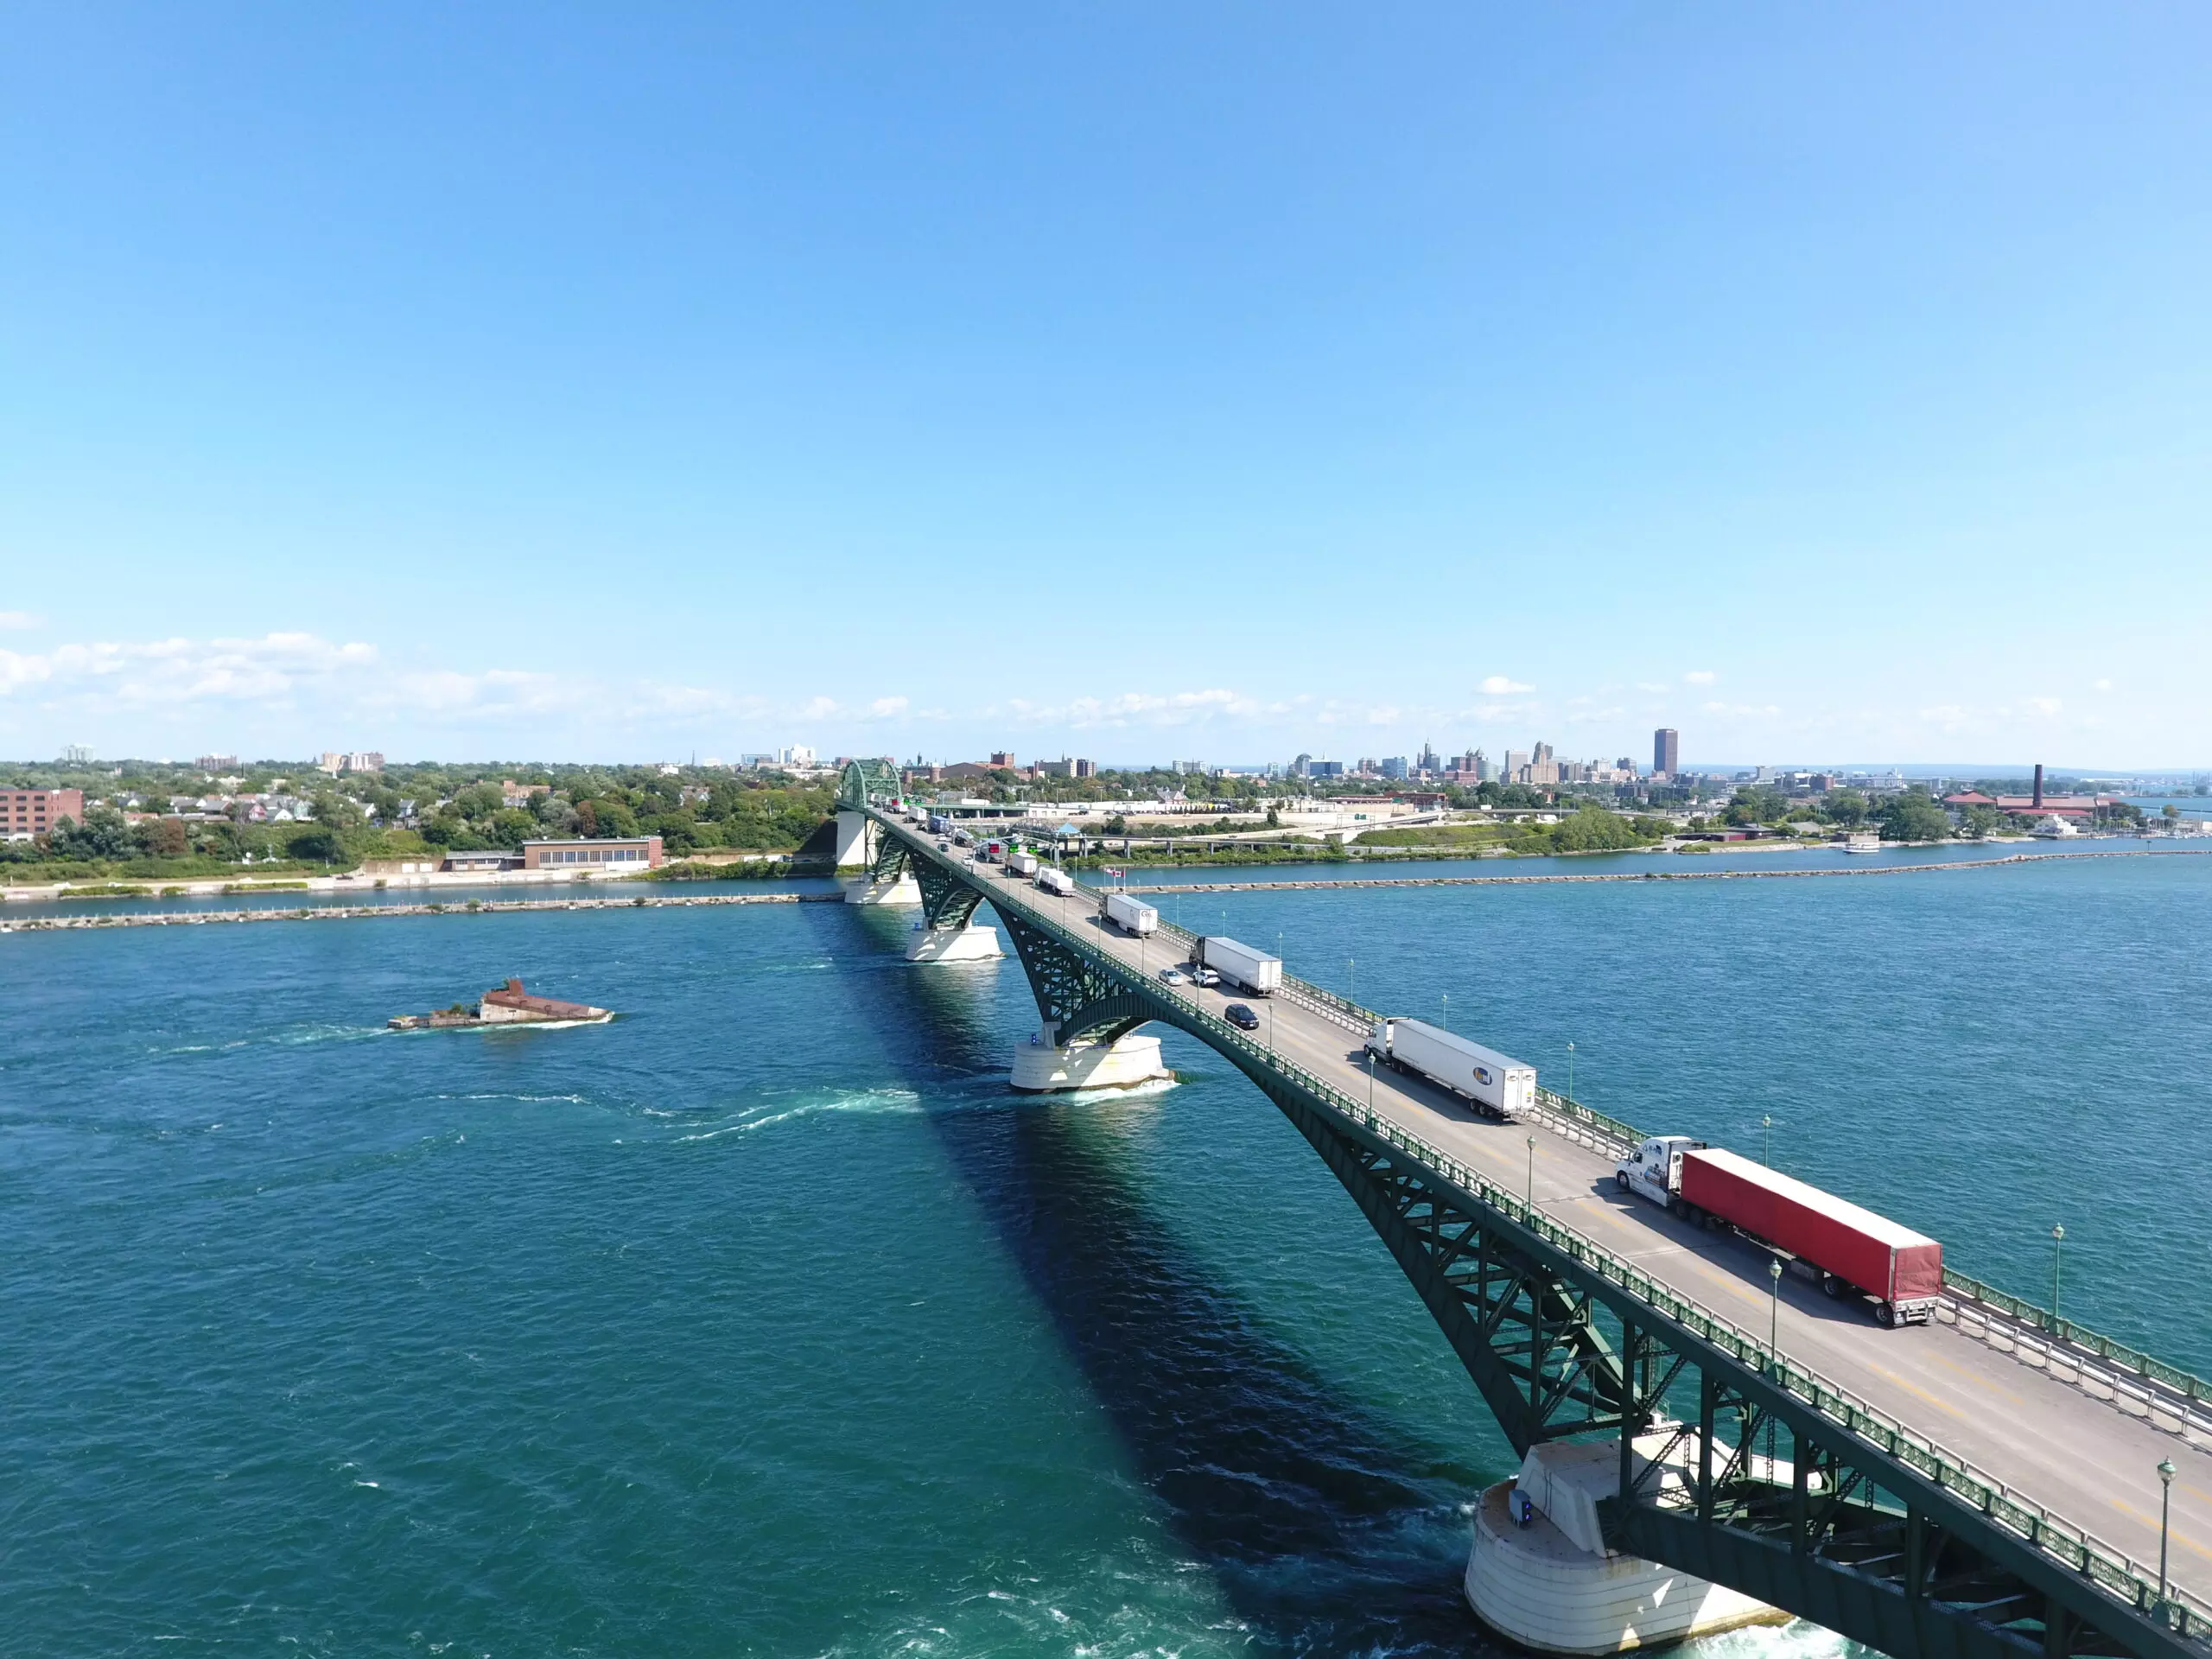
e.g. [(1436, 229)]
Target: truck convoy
[(1498, 1086), (1855, 1251), (1239, 965), (1132, 916), (1056, 882), (1020, 863)]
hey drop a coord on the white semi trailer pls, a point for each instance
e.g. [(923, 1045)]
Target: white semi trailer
[(1240, 964), (1498, 1086), (1132, 916), (1020, 863), (1057, 882)]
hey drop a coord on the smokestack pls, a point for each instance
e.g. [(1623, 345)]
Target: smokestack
[(2038, 800)]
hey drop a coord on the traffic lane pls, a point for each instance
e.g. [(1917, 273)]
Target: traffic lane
[(2045, 1441)]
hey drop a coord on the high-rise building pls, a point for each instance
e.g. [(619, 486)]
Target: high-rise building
[(217, 763), (1429, 762), (1393, 765), (1302, 766), (1484, 772), (1516, 762), (1666, 752)]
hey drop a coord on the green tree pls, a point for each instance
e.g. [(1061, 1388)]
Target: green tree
[(1847, 807), (1978, 821), (1914, 815)]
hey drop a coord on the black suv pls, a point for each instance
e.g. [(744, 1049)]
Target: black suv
[(1242, 1017)]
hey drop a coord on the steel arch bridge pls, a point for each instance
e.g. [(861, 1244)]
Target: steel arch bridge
[(1787, 1488)]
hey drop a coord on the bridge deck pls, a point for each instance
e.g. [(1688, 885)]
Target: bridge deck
[(2078, 1455)]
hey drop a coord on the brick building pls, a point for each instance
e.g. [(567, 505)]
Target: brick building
[(25, 813), (614, 853)]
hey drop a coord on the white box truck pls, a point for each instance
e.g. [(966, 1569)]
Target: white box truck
[(1057, 881), (1498, 1086), (1020, 863), (1240, 964), (1132, 916)]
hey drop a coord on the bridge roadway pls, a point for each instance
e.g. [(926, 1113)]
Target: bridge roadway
[(2081, 1457)]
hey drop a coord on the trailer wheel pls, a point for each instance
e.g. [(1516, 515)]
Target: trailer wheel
[(1678, 1209), (1887, 1314), (1620, 1181), (1831, 1284)]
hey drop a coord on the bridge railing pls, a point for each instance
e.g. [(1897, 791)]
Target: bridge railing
[(2081, 1551)]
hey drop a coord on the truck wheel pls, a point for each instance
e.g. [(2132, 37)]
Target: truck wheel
[(1886, 1314), (1620, 1181), (1831, 1284), (1678, 1210)]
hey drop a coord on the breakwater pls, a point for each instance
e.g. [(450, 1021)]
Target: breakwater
[(1656, 875), (347, 913)]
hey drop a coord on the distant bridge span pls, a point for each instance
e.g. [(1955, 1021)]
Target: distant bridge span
[(1922, 1492)]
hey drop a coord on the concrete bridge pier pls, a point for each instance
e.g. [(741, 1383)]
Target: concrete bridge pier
[(973, 943), (902, 889), (856, 841), (1042, 1066), (1541, 1575)]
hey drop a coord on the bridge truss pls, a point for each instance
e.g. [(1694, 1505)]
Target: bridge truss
[(1736, 1465)]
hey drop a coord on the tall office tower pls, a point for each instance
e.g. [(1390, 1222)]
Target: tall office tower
[(1666, 752)]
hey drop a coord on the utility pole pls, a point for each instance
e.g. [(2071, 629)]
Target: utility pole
[(1774, 1315)]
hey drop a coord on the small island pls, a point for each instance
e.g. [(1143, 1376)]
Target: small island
[(508, 1005)]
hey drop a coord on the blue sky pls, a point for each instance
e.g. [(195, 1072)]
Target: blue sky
[(1140, 382)]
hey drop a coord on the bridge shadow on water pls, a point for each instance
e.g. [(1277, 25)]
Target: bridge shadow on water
[(1325, 1530)]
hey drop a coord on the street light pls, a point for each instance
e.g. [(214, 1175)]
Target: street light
[(1448, 1010), (1532, 1173), (2057, 1245), (1774, 1315), (1371, 1082), (2166, 1516), (1766, 1155), (1570, 1071)]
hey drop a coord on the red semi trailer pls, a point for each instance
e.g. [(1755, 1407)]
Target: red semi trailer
[(1854, 1250)]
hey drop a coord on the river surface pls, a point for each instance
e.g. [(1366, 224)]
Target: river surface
[(764, 1321)]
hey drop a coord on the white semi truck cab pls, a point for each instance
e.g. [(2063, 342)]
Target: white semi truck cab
[(1654, 1170)]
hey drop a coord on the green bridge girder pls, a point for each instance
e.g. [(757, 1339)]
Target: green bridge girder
[(1776, 1498)]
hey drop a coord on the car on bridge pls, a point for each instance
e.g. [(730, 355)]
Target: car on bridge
[(1173, 976), (1242, 1017)]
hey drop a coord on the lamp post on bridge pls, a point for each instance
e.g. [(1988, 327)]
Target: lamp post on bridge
[(2057, 1246), (1371, 1082), (1448, 1010), (1532, 1175), (1774, 1315), (1570, 1071), (2165, 1518), (1766, 1153)]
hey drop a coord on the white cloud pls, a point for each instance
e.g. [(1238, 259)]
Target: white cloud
[(20, 619), (2101, 685), (887, 709), (2046, 706), (1700, 677), (165, 673), (1498, 686)]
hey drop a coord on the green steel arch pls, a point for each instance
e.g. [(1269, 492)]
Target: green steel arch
[(865, 783)]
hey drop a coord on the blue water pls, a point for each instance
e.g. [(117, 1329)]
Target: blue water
[(764, 1321)]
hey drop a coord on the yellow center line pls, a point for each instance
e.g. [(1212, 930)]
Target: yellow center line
[(1982, 1382), (2183, 1538)]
